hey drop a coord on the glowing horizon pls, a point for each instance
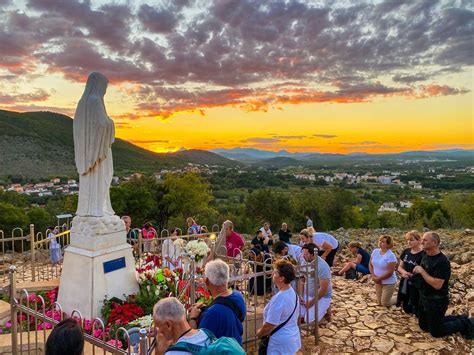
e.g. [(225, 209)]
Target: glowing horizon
[(301, 76)]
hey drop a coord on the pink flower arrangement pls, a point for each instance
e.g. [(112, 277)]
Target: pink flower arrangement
[(56, 315), (115, 343), (44, 325)]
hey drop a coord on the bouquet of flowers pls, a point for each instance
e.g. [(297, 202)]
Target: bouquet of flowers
[(155, 283), (180, 242), (142, 322), (198, 249)]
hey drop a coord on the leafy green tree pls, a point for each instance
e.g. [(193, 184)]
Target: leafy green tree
[(187, 195), (267, 205), (391, 220), (135, 198), (62, 205), (421, 212), (13, 198), (40, 218), (460, 209), (438, 220), (12, 217)]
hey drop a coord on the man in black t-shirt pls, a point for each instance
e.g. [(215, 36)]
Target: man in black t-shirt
[(260, 240), (436, 271), (284, 234)]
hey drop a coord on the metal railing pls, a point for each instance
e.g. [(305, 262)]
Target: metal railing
[(247, 275), (30, 253), (32, 338)]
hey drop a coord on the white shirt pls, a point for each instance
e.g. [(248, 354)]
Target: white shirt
[(266, 233), (319, 238), (324, 272), (296, 252), (380, 264), (53, 242), (172, 251), (287, 340), (200, 338)]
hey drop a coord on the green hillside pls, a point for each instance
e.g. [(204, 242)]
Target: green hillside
[(40, 144)]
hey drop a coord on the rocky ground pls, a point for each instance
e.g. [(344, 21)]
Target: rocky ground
[(359, 325)]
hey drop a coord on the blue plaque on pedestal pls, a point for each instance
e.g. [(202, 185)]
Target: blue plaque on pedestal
[(113, 265)]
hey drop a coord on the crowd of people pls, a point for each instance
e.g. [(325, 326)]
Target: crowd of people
[(422, 291)]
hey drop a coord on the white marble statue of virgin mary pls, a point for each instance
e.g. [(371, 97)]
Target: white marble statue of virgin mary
[(94, 134)]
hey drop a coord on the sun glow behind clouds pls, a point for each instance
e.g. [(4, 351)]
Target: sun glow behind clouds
[(374, 76)]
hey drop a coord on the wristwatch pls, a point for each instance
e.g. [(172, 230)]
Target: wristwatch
[(194, 319)]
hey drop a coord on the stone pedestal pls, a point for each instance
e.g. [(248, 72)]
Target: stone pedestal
[(98, 263)]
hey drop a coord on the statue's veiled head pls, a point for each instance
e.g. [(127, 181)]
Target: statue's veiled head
[(96, 85)]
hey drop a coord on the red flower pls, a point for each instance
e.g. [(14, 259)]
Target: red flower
[(124, 313)]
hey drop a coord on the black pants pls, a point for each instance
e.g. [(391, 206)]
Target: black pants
[(331, 255), (431, 318), (410, 300)]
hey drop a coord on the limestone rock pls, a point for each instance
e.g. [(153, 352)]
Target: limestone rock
[(424, 346), (361, 343), (364, 333), (359, 325), (405, 348), (383, 345)]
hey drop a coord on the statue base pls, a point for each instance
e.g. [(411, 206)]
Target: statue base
[(96, 267)]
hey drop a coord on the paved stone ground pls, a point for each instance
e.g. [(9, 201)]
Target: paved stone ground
[(359, 325)]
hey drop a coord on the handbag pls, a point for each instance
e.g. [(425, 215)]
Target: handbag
[(351, 274), (263, 345)]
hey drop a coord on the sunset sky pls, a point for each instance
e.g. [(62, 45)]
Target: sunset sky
[(311, 76)]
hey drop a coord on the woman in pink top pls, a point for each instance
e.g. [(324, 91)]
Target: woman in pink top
[(148, 233)]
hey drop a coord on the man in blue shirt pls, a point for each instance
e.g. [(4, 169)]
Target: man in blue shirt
[(225, 315)]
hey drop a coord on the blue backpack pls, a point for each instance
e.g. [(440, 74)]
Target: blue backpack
[(223, 345)]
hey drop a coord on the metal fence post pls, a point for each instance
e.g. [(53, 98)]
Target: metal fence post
[(13, 309), (143, 345), (193, 279), (140, 243), (32, 248), (316, 290)]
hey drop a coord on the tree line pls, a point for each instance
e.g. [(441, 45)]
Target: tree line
[(169, 202)]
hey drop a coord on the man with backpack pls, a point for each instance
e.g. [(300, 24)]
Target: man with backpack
[(225, 315), (174, 335)]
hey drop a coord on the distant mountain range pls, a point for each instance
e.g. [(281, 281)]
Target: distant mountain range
[(245, 154), (40, 144), (283, 157)]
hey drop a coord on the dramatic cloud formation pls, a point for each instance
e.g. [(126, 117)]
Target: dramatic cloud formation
[(189, 56), (38, 95)]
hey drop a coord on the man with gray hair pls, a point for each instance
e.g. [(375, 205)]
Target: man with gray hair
[(229, 241), (224, 316), (171, 327), (435, 271)]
